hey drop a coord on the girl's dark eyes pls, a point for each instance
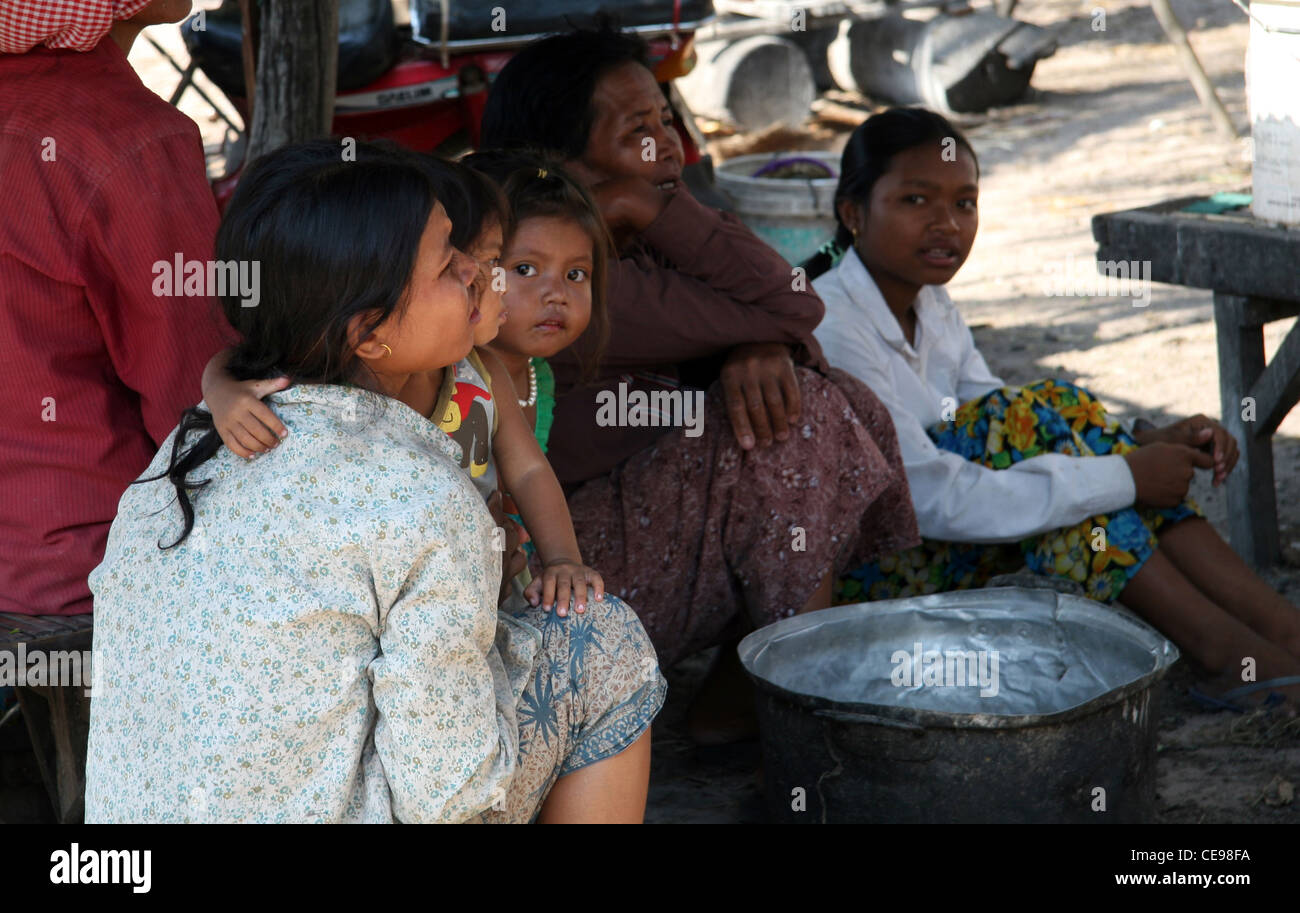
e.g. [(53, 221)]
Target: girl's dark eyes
[(577, 275), (919, 199), (526, 269)]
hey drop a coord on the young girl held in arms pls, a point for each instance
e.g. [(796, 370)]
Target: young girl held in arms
[(551, 282)]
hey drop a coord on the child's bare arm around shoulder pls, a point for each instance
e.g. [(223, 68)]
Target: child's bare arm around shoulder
[(526, 474), (246, 424)]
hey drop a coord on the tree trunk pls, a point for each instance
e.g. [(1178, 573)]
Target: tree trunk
[(297, 68)]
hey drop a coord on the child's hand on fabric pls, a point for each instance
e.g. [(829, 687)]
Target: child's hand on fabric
[(1204, 433), (1163, 471), (560, 578), (246, 424)]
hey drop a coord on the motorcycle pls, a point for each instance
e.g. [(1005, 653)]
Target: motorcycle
[(423, 82)]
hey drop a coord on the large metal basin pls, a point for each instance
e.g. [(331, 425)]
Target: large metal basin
[(994, 705)]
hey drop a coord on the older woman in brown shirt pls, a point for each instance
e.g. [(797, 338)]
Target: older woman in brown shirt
[(795, 476)]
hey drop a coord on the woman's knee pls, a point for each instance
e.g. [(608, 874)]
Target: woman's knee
[(618, 624), (606, 640), (618, 682)]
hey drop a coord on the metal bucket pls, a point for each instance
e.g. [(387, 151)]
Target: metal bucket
[(750, 84), (951, 64), (794, 216), (994, 705)]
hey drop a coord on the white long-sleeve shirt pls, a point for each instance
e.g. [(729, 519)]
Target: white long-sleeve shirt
[(956, 500)]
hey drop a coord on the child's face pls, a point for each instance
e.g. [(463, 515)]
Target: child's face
[(921, 219), (486, 252), (548, 293), (437, 327)]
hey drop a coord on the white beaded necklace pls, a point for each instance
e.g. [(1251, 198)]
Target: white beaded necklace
[(532, 388)]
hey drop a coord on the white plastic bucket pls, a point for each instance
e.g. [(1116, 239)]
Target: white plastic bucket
[(794, 216), (1273, 89)]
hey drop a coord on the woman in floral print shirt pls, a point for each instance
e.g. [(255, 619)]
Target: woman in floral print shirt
[(314, 636)]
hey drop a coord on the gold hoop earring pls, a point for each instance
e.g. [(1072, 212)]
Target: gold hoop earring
[(386, 349)]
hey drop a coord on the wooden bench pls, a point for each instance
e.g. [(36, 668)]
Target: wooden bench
[(57, 716), (1251, 268)]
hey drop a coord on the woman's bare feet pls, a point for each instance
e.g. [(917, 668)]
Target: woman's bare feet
[(722, 711), (1205, 632), (1234, 693)]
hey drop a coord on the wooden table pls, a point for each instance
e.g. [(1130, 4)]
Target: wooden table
[(1253, 268)]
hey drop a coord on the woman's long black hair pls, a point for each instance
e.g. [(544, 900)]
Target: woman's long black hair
[(542, 97), (473, 202), (867, 155), (333, 238)]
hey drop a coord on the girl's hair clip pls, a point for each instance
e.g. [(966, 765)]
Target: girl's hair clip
[(541, 172)]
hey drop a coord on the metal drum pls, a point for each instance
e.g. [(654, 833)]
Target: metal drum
[(993, 705)]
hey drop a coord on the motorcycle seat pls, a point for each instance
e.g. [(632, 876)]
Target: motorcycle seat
[(368, 44), (474, 20)]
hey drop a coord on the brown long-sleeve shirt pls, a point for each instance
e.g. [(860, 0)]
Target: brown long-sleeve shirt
[(697, 284)]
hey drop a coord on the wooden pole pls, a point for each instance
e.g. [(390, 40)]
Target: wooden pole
[(297, 72), (1252, 502), (248, 48), (1195, 72)]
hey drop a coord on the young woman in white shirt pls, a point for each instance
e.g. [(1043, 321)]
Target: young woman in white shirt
[(997, 473)]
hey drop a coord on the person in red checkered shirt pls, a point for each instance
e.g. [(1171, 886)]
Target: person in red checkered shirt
[(102, 180)]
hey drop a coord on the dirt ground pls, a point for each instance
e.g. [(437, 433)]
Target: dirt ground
[(1111, 123)]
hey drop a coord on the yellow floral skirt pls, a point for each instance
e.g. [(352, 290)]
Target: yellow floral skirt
[(1001, 428)]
